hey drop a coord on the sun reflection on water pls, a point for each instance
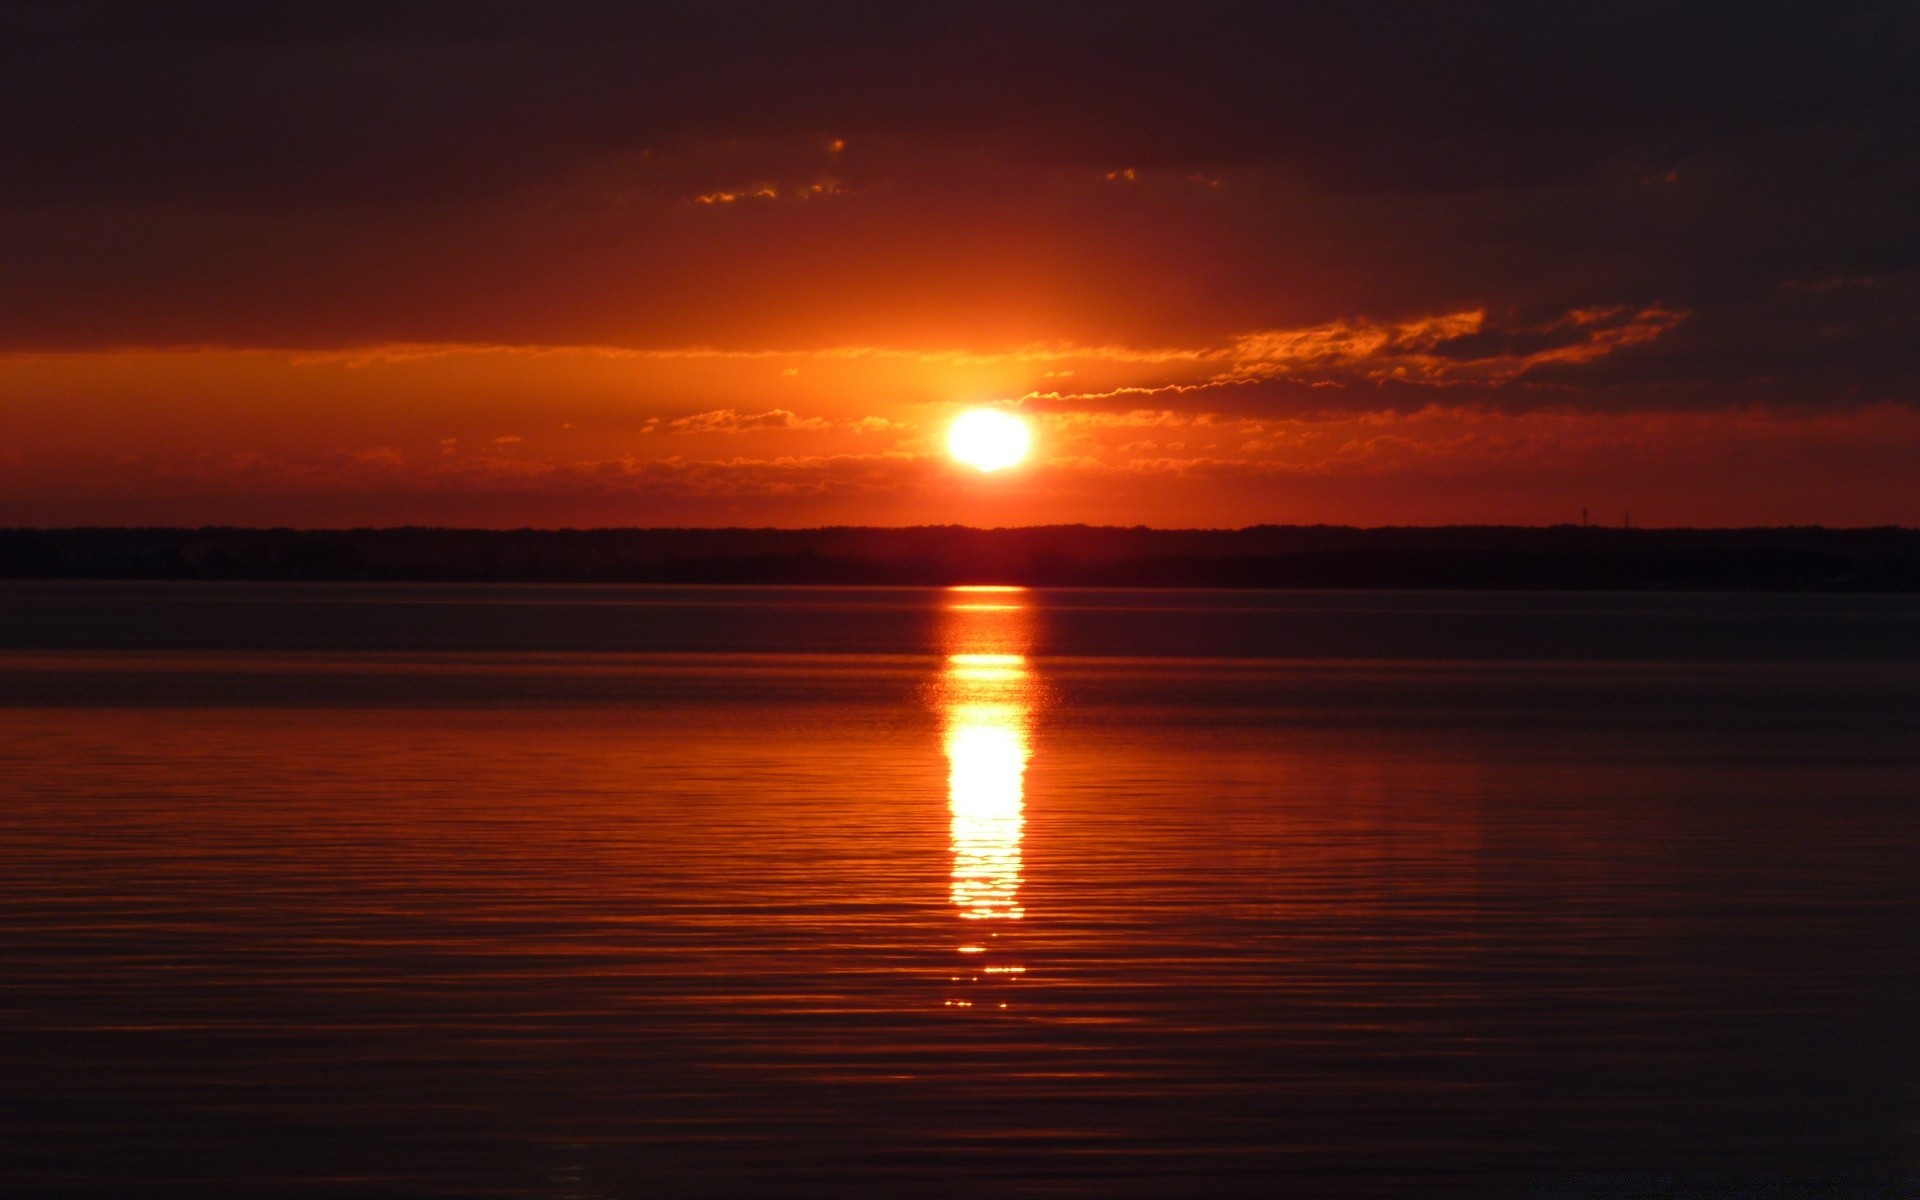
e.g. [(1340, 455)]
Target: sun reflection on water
[(987, 757), (987, 697)]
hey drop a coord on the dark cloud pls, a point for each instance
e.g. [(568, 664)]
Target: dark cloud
[(339, 101), (566, 172)]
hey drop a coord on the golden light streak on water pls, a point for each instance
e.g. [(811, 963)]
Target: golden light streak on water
[(987, 693), (987, 752)]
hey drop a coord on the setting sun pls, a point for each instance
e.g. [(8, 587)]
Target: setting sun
[(988, 439)]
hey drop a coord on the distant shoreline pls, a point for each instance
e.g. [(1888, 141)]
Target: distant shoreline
[(1561, 557)]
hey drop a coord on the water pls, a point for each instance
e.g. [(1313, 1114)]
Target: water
[(608, 892)]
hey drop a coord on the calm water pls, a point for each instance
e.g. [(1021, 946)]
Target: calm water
[(610, 892)]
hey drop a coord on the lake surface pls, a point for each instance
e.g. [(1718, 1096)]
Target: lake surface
[(633, 892)]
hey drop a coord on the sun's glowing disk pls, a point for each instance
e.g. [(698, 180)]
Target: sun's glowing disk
[(988, 439)]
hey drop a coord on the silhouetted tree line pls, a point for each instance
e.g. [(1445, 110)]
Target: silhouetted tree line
[(1267, 556)]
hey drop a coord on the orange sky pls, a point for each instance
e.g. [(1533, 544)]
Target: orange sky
[(510, 436), (588, 268)]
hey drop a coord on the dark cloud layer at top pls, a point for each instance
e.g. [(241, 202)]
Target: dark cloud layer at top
[(327, 101), (325, 174)]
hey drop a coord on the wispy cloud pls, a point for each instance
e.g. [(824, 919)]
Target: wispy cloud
[(1462, 346), (1457, 347), (727, 420)]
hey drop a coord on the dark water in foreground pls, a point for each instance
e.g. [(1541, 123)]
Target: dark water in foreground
[(597, 892)]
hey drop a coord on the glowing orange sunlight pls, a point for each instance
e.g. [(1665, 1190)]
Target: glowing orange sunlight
[(988, 439)]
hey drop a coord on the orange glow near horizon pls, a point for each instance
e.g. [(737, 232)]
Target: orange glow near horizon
[(503, 437)]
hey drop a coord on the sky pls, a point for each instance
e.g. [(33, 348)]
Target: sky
[(594, 263)]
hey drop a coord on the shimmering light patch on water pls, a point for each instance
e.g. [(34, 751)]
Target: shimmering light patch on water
[(987, 696)]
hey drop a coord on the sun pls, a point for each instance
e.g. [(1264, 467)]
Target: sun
[(988, 439)]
